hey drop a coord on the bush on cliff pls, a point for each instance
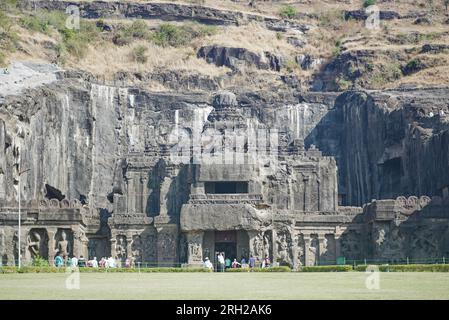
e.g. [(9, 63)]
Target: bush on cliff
[(288, 12)]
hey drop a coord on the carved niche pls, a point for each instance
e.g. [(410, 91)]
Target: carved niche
[(64, 242), (37, 243), (136, 248), (121, 247), (284, 243)]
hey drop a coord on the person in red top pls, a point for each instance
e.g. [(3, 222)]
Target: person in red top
[(266, 262), (235, 264)]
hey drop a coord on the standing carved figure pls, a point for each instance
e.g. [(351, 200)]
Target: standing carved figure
[(258, 246), (313, 251), (2, 242), (120, 247), (34, 243), (136, 248), (266, 244)]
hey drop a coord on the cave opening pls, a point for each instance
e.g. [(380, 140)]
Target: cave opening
[(391, 178), (53, 193)]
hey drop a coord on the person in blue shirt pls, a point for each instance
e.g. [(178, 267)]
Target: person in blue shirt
[(59, 262), (227, 263), (252, 262)]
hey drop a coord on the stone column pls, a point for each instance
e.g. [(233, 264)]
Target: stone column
[(51, 232), (129, 242), (113, 245), (337, 236), (274, 246), (195, 248), (337, 246), (307, 240), (306, 193), (321, 248)]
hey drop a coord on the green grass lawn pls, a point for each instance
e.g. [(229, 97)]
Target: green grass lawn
[(344, 285)]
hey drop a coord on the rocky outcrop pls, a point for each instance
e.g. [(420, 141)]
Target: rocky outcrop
[(236, 58), (163, 11), (434, 48), (362, 15)]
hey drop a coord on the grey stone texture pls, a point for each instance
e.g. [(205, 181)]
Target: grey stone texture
[(126, 167)]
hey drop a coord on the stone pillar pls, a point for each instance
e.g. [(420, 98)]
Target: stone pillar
[(129, 242), (51, 245), (195, 248), (307, 240), (337, 246), (113, 246), (321, 247), (274, 246), (338, 232), (306, 180)]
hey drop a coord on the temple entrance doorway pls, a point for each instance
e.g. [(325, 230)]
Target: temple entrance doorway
[(226, 241)]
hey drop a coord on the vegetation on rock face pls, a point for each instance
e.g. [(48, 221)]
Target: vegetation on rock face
[(8, 38), (175, 36), (367, 3), (139, 54), (288, 12), (126, 34), (42, 35), (413, 66)]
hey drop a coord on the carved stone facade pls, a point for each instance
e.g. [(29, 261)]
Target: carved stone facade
[(169, 206)]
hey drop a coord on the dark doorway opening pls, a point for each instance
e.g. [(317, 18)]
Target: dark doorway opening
[(229, 249), (226, 242), (227, 187)]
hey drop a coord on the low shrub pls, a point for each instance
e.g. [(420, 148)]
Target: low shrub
[(75, 42), (175, 36), (169, 35), (367, 3), (34, 23), (413, 66), (288, 12), (139, 54), (33, 269), (409, 268), (271, 269), (40, 262), (43, 20), (126, 34), (334, 268)]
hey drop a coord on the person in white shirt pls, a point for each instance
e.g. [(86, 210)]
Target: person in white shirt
[(221, 262), (74, 262), (208, 264), (111, 262), (95, 263)]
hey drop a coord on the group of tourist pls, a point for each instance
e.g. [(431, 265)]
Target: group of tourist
[(105, 262), (225, 263)]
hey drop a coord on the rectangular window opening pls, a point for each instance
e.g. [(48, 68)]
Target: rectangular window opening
[(226, 187)]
